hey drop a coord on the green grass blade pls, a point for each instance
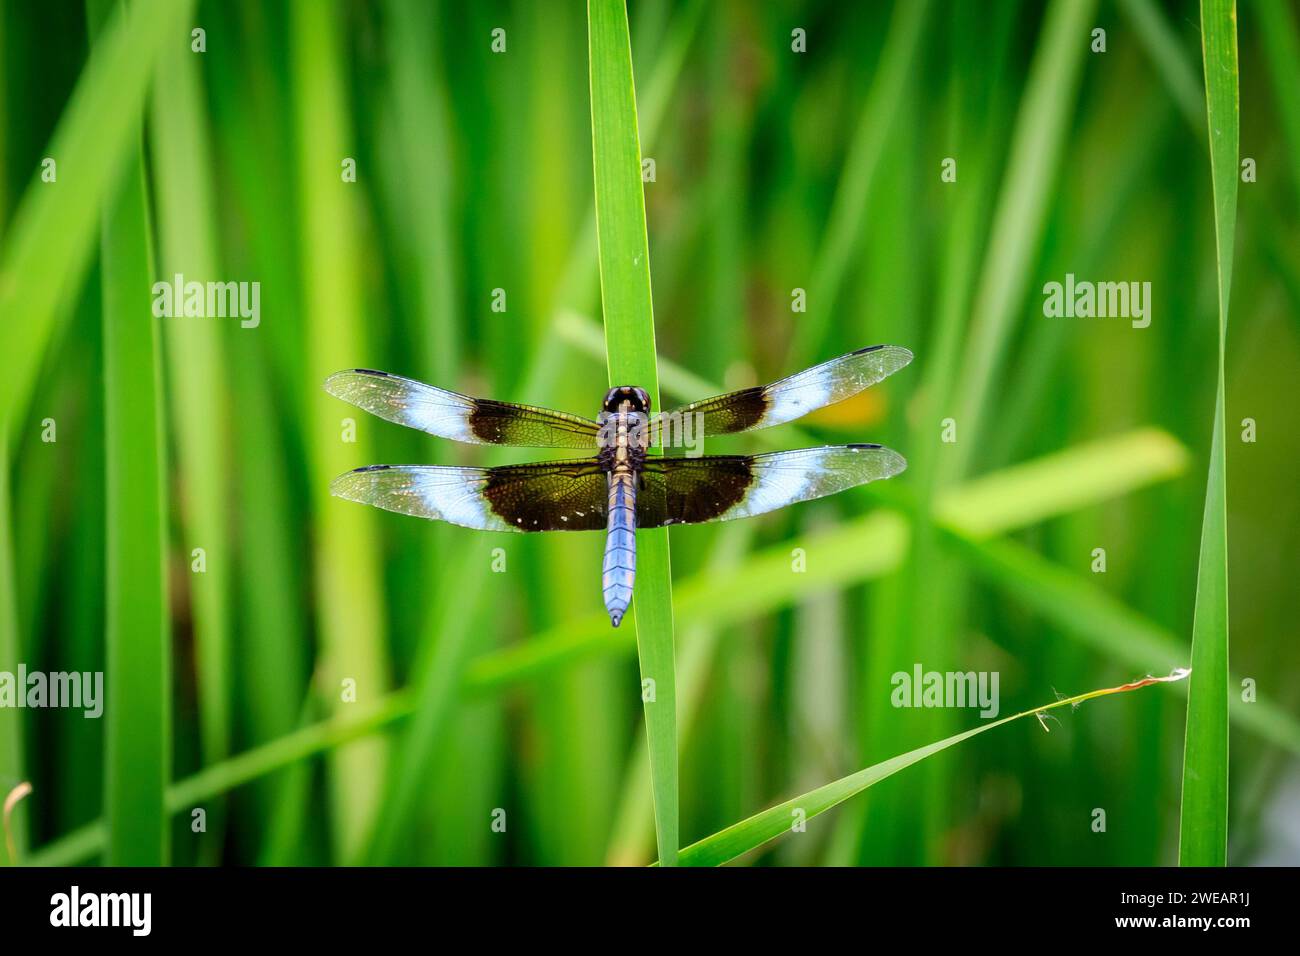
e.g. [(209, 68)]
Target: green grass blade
[(1280, 37), (1203, 832), (1036, 147), (1156, 33), (1055, 484), (49, 244), (848, 212), (427, 183), (580, 272), (138, 666), (273, 629), (630, 342), (196, 381), (12, 771), (771, 823), (350, 608)]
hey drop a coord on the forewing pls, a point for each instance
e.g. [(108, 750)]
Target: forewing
[(797, 395), (478, 421)]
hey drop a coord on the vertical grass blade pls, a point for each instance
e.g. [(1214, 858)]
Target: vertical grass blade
[(1156, 33), (11, 727), (273, 629), (137, 679), (49, 246), (197, 386), (1203, 829), (1036, 145), (1280, 40), (630, 343), (348, 586), (849, 209)]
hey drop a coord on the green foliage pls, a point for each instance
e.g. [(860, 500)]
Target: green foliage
[(630, 342), (726, 845), (137, 741), (1203, 833), (478, 689)]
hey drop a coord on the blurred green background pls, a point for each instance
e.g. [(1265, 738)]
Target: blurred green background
[(317, 627)]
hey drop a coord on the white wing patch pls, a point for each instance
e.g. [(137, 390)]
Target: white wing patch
[(831, 382), (424, 491), (405, 401), (785, 477)]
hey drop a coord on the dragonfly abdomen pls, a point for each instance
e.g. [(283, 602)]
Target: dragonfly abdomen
[(619, 571)]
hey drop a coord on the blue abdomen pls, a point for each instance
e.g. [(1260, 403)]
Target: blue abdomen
[(619, 571)]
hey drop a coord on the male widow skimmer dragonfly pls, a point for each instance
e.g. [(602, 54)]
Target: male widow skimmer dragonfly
[(620, 488)]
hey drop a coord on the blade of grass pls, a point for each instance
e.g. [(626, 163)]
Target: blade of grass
[(623, 251), (427, 186), (11, 728), (49, 245), (720, 343), (580, 273), (1036, 145), (1065, 481), (1203, 831), (849, 207), (1157, 35), (137, 709), (197, 386), (752, 833), (1280, 37), (348, 586), (249, 98), (80, 578), (273, 629)]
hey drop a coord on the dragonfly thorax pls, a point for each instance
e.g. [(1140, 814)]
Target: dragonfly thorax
[(624, 422), (623, 433)]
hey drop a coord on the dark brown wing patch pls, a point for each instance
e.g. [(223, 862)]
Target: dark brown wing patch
[(505, 423), (548, 496), (730, 413), (691, 490)]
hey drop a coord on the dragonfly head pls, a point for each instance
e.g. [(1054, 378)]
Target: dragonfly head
[(636, 397)]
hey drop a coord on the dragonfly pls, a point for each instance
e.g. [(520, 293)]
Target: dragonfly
[(619, 487)]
